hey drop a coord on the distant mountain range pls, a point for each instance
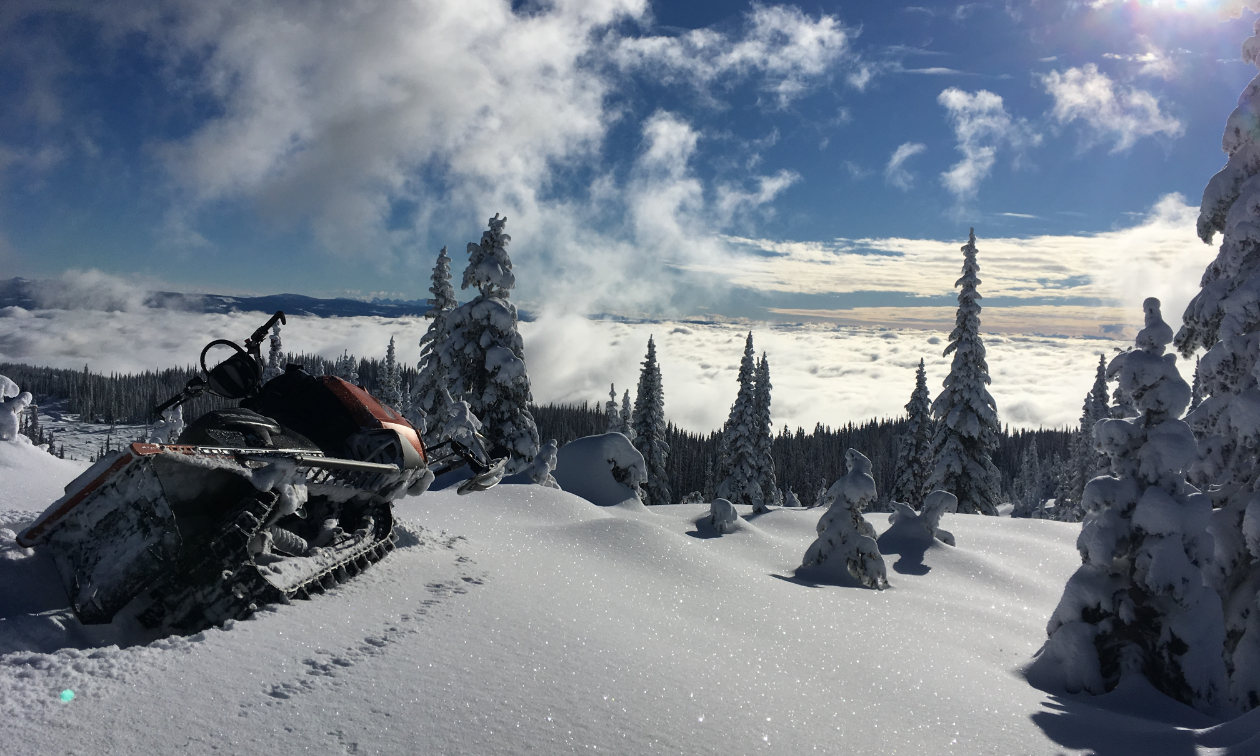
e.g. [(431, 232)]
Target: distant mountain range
[(35, 295)]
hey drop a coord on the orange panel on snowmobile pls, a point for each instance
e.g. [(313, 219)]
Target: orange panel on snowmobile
[(369, 413)]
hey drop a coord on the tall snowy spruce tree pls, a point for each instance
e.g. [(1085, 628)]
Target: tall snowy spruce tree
[(1224, 319), (391, 381), (430, 394), (612, 414), (914, 450), (763, 433), (484, 354), (1139, 603), (966, 416), (648, 422), (738, 464), (1085, 461)]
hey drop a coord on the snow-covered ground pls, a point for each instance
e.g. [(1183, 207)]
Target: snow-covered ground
[(527, 620)]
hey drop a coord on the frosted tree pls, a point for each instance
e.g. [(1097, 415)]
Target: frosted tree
[(1029, 484), (276, 356), (432, 386), (347, 368), (1139, 603), (914, 450), (648, 423), (1224, 319), (966, 416), (168, 428), (739, 464), (484, 354), (763, 436), (612, 413), (627, 416), (544, 463), (1085, 461), (391, 382), (845, 539), (13, 402)]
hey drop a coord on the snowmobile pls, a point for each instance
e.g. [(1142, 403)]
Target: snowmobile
[(281, 497)]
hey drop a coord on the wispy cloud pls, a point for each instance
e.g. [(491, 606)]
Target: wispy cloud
[(1109, 111), (895, 172), (981, 126), (1152, 62)]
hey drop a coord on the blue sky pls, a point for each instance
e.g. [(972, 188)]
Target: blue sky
[(813, 160)]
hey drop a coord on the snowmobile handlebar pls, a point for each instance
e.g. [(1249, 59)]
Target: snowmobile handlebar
[(234, 378)]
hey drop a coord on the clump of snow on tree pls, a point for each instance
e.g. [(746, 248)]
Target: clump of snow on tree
[(1139, 603), (846, 541), (966, 416), (605, 470), (275, 356)]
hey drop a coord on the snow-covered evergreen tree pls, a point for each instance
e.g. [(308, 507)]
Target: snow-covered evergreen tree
[(914, 451), (612, 413), (168, 428), (627, 416), (1028, 485), (347, 368), (544, 463), (763, 433), (1139, 603), (1085, 461), (648, 423), (738, 459), (484, 354), (433, 384), (13, 402), (845, 539), (274, 357), (966, 415), (1223, 318), (391, 382)]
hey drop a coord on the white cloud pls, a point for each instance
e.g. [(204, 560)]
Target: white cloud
[(1159, 256), (781, 44), (895, 172), (1108, 110), (821, 373), (1153, 62), (981, 126), (326, 118)]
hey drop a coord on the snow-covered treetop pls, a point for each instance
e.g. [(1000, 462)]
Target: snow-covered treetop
[(965, 336), (442, 291), (857, 487), (920, 403), (489, 267), (1148, 375)]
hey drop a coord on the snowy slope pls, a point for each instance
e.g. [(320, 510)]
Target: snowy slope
[(527, 620)]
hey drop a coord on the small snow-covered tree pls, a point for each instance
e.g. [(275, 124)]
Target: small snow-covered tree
[(845, 539), (612, 414), (648, 423), (763, 438), (1224, 319), (1028, 485), (1084, 461), (275, 356), (966, 415), (544, 463), (433, 384), (347, 368), (738, 459), (914, 450), (627, 416), (1139, 603), (905, 521), (168, 428), (790, 500), (13, 402), (484, 354), (391, 382)]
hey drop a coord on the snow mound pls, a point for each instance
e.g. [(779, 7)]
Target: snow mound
[(30, 478), (606, 470)]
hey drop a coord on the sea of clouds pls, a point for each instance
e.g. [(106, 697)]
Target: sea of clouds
[(821, 373)]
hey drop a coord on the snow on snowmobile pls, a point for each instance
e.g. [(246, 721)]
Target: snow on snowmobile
[(279, 498)]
